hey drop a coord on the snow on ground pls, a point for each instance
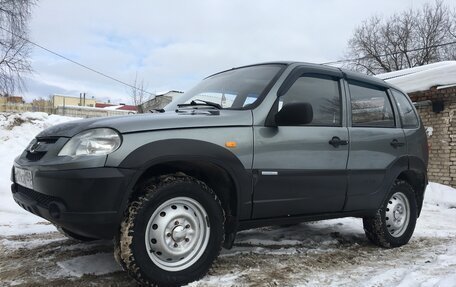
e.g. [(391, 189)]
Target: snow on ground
[(96, 264), (329, 253)]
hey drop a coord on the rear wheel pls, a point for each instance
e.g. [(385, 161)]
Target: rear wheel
[(172, 234), (395, 221)]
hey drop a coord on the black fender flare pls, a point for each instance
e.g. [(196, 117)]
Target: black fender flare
[(417, 165), (402, 164), (171, 150)]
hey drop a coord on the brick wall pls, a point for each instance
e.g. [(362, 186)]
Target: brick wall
[(441, 128)]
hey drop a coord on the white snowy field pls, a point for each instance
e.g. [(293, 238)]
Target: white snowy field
[(329, 253)]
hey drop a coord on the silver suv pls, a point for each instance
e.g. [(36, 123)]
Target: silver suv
[(266, 144)]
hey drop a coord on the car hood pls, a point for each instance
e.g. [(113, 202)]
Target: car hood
[(154, 121)]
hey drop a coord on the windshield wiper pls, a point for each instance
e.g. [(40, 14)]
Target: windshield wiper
[(204, 103), (157, 110)]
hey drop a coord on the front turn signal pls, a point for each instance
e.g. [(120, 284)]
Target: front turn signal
[(231, 144)]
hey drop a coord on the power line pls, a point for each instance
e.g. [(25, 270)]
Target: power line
[(77, 63), (390, 54)]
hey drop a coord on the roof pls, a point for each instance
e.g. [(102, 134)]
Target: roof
[(440, 75), (127, 108), (71, 96), (349, 74), (102, 105), (165, 93)]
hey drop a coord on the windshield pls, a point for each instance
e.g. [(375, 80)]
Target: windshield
[(233, 89)]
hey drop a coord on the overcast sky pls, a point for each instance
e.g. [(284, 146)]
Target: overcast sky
[(174, 44)]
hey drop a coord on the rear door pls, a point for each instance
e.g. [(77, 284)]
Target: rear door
[(298, 170), (377, 144)]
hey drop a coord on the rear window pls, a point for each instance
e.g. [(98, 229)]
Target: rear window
[(370, 106), (408, 115)]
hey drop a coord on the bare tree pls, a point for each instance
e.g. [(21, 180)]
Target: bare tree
[(14, 48), (138, 94), (404, 40)]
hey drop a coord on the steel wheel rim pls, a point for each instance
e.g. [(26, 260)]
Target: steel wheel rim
[(397, 215), (177, 233)]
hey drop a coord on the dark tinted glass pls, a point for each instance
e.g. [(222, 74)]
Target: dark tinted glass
[(234, 89), (407, 112), (322, 93), (370, 107)]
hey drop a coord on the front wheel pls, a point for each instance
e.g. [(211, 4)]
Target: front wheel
[(173, 233), (395, 221)]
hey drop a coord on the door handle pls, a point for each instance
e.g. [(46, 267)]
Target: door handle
[(395, 143), (336, 142)]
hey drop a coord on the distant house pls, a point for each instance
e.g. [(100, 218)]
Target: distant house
[(62, 100), (160, 100), (11, 99), (12, 104), (15, 100), (433, 90)]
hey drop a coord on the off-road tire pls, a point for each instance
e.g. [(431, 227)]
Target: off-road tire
[(74, 236), (132, 250), (117, 256), (376, 228)]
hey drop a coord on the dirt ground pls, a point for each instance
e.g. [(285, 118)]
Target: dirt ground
[(327, 254)]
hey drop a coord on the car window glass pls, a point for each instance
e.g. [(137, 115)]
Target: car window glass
[(406, 111), (251, 98), (322, 93), (370, 107), (239, 88), (226, 100)]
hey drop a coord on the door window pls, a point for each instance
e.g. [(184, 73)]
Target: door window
[(370, 106), (406, 111), (322, 93)]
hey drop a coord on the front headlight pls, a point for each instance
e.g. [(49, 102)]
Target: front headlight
[(100, 141)]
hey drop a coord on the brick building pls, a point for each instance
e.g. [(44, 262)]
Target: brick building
[(433, 90)]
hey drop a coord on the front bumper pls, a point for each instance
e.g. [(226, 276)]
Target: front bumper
[(84, 201)]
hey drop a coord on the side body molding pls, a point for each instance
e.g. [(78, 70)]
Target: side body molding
[(188, 150)]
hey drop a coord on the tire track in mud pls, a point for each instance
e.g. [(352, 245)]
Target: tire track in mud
[(36, 264), (31, 260), (344, 263)]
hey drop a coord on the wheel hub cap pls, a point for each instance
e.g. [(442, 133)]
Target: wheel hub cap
[(397, 214), (177, 233)]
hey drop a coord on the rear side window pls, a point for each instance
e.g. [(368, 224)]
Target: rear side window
[(407, 112), (322, 93), (370, 106)]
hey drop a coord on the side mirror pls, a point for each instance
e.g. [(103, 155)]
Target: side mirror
[(294, 114)]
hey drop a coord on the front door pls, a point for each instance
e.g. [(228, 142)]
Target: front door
[(302, 169)]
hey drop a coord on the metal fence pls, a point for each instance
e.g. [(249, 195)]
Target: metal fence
[(70, 111), (88, 112), (20, 108)]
